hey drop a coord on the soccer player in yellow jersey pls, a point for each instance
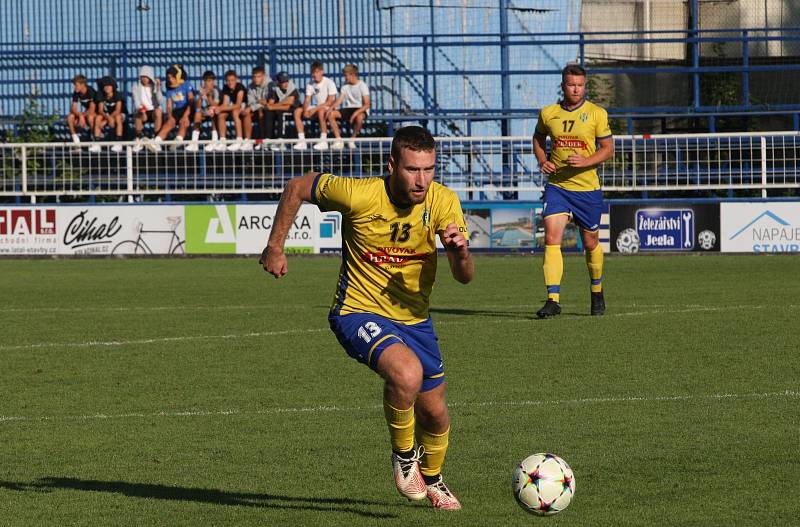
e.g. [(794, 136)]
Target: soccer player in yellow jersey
[(581, 139), (380, 309)]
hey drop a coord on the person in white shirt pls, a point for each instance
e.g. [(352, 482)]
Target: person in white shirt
[(147, 102), (352, 106), (320, 95)]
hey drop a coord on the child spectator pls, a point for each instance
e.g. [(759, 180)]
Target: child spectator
[(111, 112), (82, 111), (180, 104), (320, 95), (147, 100), (208, 100), (257, 94), (354, 103), (234, 106), (283, 99)]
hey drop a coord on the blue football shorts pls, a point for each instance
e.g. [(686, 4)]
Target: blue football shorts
[(586, 207), (364, 336)]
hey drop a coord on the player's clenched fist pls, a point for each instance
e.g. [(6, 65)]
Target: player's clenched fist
[(452, 239), (274, 261)]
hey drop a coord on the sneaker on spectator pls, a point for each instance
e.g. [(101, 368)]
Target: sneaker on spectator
[(235, 146), (337, 145), (154, 145), (246, 145), (322, 145), (351, 145), (213, 146), (138, 146), (277, 147), (258, 146), (117, 148), (192, 147), (176, 146), (301, 145), (95, 148)]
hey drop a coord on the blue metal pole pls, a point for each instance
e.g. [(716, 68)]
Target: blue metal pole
[(505, 82), (745, 73), (695, 55), (425, 92), (273, 59), (433, 65)]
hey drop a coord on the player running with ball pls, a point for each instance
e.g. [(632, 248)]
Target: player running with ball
[(573, 188), (380, 309)]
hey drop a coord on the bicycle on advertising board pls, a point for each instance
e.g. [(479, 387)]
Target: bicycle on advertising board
[(140, 246)]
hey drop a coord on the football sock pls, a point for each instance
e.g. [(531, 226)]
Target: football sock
[(553, 268), (435, 446), (594, 261), (401, 427)]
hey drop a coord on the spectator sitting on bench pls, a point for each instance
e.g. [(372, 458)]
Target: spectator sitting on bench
[(257, 93), (234, 106), (111, 112), (354, 103), (208, 100), (82, 111), (147, 99), (283, 99), (320, 94), (180, 106)]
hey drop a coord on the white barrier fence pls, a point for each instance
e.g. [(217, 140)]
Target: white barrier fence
[(469, 164)]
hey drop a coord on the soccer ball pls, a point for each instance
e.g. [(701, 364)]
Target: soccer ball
[(628, 241), (707, 239), (543, 484)]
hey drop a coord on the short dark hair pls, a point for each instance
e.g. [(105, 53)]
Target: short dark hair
[(414, 138), (316, 65), (572, 69), (209, 75), (259, 69), (230, 73)]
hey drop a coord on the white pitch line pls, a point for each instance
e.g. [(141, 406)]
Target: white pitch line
[(158, 340), (465, 404)]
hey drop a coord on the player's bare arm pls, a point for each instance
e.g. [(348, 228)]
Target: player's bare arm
[(540, 151), (461, 264), (297, 190), (604, 152)]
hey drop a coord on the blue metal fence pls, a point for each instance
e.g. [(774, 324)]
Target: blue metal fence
[(489, 78)]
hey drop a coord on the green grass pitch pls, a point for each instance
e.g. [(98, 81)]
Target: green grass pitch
[(205, 392)]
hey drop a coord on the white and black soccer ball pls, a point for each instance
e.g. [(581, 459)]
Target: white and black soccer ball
[(707, 239), (543, 484), (628, 241)]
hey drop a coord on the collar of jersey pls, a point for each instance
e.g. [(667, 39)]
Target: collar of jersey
[(576, 108), (389, 195)]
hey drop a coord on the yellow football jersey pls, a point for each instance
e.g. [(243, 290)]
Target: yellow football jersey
[(573, 131), (389, 253)]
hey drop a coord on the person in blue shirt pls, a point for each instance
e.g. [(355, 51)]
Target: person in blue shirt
[(180, 107)]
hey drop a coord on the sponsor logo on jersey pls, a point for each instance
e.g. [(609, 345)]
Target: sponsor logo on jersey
[(570, 142), (393, 256)]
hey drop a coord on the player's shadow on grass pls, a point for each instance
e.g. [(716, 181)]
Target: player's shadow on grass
[(211, 496), (482, 313)]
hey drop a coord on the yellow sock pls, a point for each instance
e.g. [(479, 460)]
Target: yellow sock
[(594, 261), (553, 267), (401, 427), (435, 450)]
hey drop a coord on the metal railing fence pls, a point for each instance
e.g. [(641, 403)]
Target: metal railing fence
[(695, 162)]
